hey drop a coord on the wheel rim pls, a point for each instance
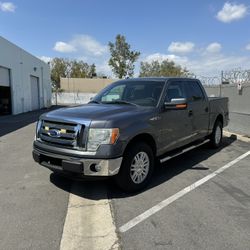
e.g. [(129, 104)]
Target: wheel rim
[(218, 135), (139, 167)]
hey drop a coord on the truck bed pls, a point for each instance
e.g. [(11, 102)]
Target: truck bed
[(218, 105)]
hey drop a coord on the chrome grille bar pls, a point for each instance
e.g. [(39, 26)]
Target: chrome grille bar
[(59, 125), (62, 134)]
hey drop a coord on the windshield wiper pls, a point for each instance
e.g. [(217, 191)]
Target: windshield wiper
[(120, 102)]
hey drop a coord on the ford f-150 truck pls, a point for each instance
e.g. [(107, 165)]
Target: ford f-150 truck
[(128, 127)]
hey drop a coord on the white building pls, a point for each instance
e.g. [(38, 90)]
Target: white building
[(24, 80)]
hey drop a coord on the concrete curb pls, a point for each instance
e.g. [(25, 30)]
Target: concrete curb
[(89, 222), (237, 136)]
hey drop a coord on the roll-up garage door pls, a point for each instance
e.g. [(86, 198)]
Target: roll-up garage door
[(34, 92), (5, 92), (4, 77)]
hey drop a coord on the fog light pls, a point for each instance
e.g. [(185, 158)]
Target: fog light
[(98, 168), (95, 168)]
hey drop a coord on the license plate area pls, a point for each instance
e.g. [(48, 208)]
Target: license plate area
[(55, 163), (76, 167)]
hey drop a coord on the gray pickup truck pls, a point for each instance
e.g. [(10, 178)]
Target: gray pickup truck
[(128, 127)]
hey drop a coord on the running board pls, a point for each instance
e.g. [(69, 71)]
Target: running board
[(183, 151)]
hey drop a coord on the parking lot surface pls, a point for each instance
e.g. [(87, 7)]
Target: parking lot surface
[(32, 208), (215, 215)]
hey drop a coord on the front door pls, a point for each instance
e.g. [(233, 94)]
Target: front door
[(175, 126)]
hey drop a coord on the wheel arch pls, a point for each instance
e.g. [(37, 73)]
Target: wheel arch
[(219, 118), (143, 137)]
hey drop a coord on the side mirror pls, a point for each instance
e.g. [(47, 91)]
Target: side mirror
[(91, 98), (176, 104)]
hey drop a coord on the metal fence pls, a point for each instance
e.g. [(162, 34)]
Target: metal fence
[(234, 76), (239, 104)]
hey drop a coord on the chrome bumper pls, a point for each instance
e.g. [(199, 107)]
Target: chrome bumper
[(82, 166)]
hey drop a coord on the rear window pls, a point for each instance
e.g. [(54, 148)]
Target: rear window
[(194, 92)]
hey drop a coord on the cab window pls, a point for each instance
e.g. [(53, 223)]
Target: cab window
[(194, 92), (175, 90)]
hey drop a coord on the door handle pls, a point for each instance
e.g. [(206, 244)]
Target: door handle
[(206, 109), (190, 112)]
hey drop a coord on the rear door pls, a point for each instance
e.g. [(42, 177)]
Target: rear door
[(35, 102), (175, 128), (197, 108)]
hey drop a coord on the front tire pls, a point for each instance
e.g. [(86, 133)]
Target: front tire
[(217, 134), (136, 169)]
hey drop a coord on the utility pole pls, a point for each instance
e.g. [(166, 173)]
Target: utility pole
[(221, 83)]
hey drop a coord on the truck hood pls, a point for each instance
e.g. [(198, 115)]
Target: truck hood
[(92, 111)]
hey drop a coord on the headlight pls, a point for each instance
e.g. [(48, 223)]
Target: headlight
[(99, 136), (38, 127)]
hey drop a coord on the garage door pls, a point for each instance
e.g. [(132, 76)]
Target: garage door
[(5, 92), (4, 77), (34, 81)]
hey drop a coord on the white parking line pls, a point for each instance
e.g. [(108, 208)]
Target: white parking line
[(178, 195)]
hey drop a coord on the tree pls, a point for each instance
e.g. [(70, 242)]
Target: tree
[(164, 68), (59, 68), (122, 58), (80, 69), (92, 70)]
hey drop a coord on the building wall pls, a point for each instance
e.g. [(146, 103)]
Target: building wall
[(22, 66), (84, 85), (239, 105), (66, 98)]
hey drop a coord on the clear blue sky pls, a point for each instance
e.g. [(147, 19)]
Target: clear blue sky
[(205, 36)]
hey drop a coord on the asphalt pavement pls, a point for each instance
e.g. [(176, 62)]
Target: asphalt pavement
[(32, 208), (216, 215), (34, 202)]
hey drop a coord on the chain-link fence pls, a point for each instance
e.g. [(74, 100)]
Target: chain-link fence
[(234, 76), (234, 84)]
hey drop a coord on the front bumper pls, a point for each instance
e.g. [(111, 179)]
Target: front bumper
[(76, 165)]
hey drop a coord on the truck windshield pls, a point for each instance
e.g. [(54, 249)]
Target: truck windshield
[(139, 93)]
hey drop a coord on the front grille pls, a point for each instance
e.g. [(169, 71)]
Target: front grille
[(67, 135)]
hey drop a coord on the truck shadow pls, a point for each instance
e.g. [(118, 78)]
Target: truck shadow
[(10, 123), (97, 190), (191, 160)]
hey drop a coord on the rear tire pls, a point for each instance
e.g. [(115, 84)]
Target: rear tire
[(136, 169), (217, 134)]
